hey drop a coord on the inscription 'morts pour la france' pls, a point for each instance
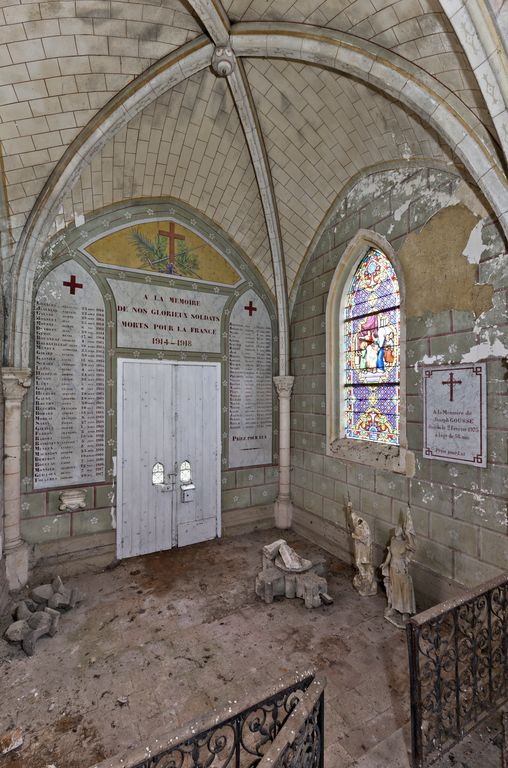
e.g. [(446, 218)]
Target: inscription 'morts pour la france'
[(69, 407), (250, 383), (455, 413), (164, 318)]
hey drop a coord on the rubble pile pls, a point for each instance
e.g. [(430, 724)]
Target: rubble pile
[(39, 614)]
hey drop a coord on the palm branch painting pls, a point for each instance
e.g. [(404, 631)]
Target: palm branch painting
[(166, 253)]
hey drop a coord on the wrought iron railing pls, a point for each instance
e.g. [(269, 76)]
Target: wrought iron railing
[(300, 743), (234, 737), (458, 666)]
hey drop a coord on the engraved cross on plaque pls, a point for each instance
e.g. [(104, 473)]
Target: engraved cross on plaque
[(250, 308), (451, 382), (172, 237), (72, 284)]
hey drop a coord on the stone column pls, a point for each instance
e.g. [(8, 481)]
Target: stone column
[(15, 382), (283, 508)]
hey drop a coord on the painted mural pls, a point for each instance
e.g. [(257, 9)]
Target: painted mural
[(165, 247)]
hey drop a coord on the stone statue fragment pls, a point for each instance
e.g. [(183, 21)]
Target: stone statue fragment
[(365, 580), (286, 574), (395, 570)]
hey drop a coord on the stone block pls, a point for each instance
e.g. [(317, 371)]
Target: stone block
[(434, 556), (362, 476), (481, 510), (313, 502), (104, 494), (319, 362), (462, 321), (414, 433), (455, 534), (428, 325), (390, 484), (313, 307), (375, 505), (33, 505), (495, 271), (48, 528), (416, 351), (313, 462), (228, 480), (297, 458), (431, 496), (334, 512), (315, 423), (325, 486), (494, 480), (236, 499), (453, 346), (304, 479), (497, 447), (343, 492), (249, 477), (456, 475), (494, 549), (264, 494), (497, 412), (91, 521), (315, 345), (472, 572), (334, 468)]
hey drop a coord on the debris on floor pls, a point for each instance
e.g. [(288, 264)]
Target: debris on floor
[(11, 740), (40, 614), (286, 574)]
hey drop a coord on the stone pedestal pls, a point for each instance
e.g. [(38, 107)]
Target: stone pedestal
[(15, 382), (283, 509)]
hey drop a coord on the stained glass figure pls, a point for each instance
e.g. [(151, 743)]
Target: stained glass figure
[(372, 359)]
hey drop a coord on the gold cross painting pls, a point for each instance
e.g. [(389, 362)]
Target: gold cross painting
[(165, 247)]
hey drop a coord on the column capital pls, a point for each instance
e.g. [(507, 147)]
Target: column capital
[(15, 382), (284, 385)]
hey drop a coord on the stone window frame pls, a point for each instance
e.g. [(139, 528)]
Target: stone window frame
[(395, 458)]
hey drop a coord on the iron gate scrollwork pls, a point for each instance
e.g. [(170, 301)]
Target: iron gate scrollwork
[(458, 664), (239, 741)]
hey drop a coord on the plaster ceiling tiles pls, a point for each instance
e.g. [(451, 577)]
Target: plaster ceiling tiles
[(417, 30), (60, 62), (188, 144), (320, 129)]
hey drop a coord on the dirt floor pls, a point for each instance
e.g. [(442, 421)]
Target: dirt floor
[(162, 639)]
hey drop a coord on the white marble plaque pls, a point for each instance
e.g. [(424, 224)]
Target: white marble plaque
[(455, 408), (69, 397), (250, 383), (171, 319)]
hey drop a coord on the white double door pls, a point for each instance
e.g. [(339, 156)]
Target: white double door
[(168, 437)]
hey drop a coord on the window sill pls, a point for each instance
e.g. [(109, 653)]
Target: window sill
[(392, 458)]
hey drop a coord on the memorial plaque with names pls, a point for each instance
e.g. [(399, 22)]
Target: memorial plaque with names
[(69, 394), (163, 318), (250, 383), (455, 413)]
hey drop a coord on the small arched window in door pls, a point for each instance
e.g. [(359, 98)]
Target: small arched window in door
[(158, 473), (185, 472)]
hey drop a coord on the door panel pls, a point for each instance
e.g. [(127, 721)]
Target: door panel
[(167, 413)]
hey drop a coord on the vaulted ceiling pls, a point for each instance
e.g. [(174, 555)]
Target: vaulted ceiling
[(263, 152)]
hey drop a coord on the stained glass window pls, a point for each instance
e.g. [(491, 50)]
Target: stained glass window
[(372, 359)]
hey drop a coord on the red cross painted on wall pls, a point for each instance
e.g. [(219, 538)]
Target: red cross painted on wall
[(172, 238), (250, 308), (72, 284)]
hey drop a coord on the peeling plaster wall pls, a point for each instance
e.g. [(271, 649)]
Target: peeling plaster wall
[(456, 273)]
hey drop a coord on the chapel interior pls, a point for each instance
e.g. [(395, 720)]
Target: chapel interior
[(254, 383)]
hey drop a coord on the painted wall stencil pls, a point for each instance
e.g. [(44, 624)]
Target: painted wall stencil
[(164, 247), (250, 383), (455, 413), (69, 411), (371, 343)]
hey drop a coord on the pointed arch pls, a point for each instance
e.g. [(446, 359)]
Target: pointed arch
[(392, 455)]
